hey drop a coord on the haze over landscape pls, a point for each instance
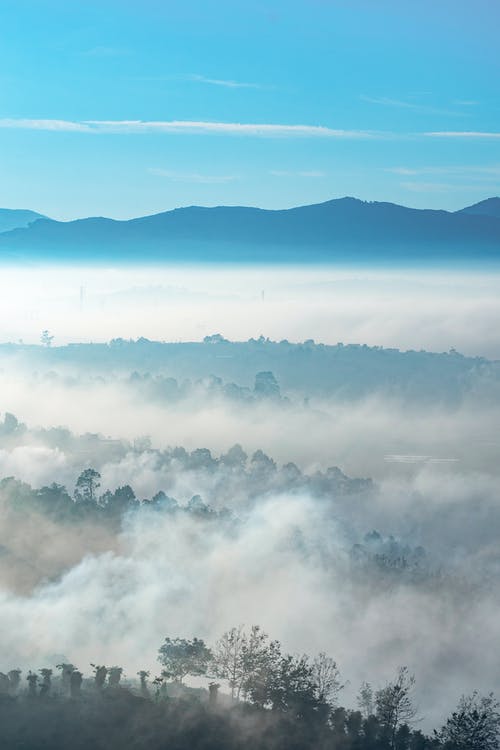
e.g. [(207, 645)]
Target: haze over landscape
[(249, 375)]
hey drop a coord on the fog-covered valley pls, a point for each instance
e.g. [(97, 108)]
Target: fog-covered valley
[(249, 375), (343, 497), (420, 307)]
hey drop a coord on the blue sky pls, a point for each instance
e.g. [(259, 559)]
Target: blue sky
[(122, 108)]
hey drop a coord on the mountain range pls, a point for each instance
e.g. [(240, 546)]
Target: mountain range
[(345, 230), (17, 218)]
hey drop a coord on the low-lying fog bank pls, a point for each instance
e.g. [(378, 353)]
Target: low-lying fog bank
[(405, 308)]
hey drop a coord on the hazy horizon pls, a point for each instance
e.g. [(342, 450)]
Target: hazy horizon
[(409, 309)]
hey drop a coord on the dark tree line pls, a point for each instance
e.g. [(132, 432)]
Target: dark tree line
[(349, 371), (269, 699), (234, 472)]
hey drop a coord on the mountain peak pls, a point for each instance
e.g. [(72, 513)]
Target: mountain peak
[(17, 218), (488, 207)]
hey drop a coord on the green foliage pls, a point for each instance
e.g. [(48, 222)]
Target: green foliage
[(87, 485), (284, 706), (475, 725), (394, 704), (181, 657)]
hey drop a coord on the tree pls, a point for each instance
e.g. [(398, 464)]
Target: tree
[(256, 668), (215, 338), (227, 660), (75, 683), (4, 684), (394, 704), (32, 678), (14, 679), (235, 457), (290, 687), (46, 682), (66, 672), (365, 699), (266, 385), (10, 424), (114, 676), (326, 677), (143, 675), (244, 659), (262, 463), (87, 485), (182, 657), (46, 339), (100, 674), (160, 689), (259, 657), (118, 502), (475, 725)]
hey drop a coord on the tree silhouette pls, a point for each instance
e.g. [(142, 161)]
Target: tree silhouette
[(475, 725), (394, 704), (365, 699), (46, 682), (228, 662), (114, 676), (66, 671), (100, 674), (46, 339), (143, 677), (326, 677), (87, 485), (181, 657), (32, 678)]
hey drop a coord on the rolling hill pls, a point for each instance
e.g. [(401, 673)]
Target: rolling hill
[(488, 207), (344, 230), (17, 218)]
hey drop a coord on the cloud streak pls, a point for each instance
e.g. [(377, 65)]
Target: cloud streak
[(209, 127), (301, 173), (413, 106), (461, 134), (43, 124), (229, 84), (188, 126)]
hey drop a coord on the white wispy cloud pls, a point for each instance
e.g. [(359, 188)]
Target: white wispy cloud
[(190, 126), (57, 125), (227, 128), (461, 134), (230, 84), (200, 179), (387, 101), (304, 173), (417, 107)]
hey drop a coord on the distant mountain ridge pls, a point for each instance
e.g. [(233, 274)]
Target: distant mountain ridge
[(488, 207), (17, 218), (344, 229)]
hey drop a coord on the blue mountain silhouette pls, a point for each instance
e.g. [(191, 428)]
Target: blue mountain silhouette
[(345, 229)]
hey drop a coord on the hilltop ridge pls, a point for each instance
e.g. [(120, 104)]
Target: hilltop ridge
[(343, 229)]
